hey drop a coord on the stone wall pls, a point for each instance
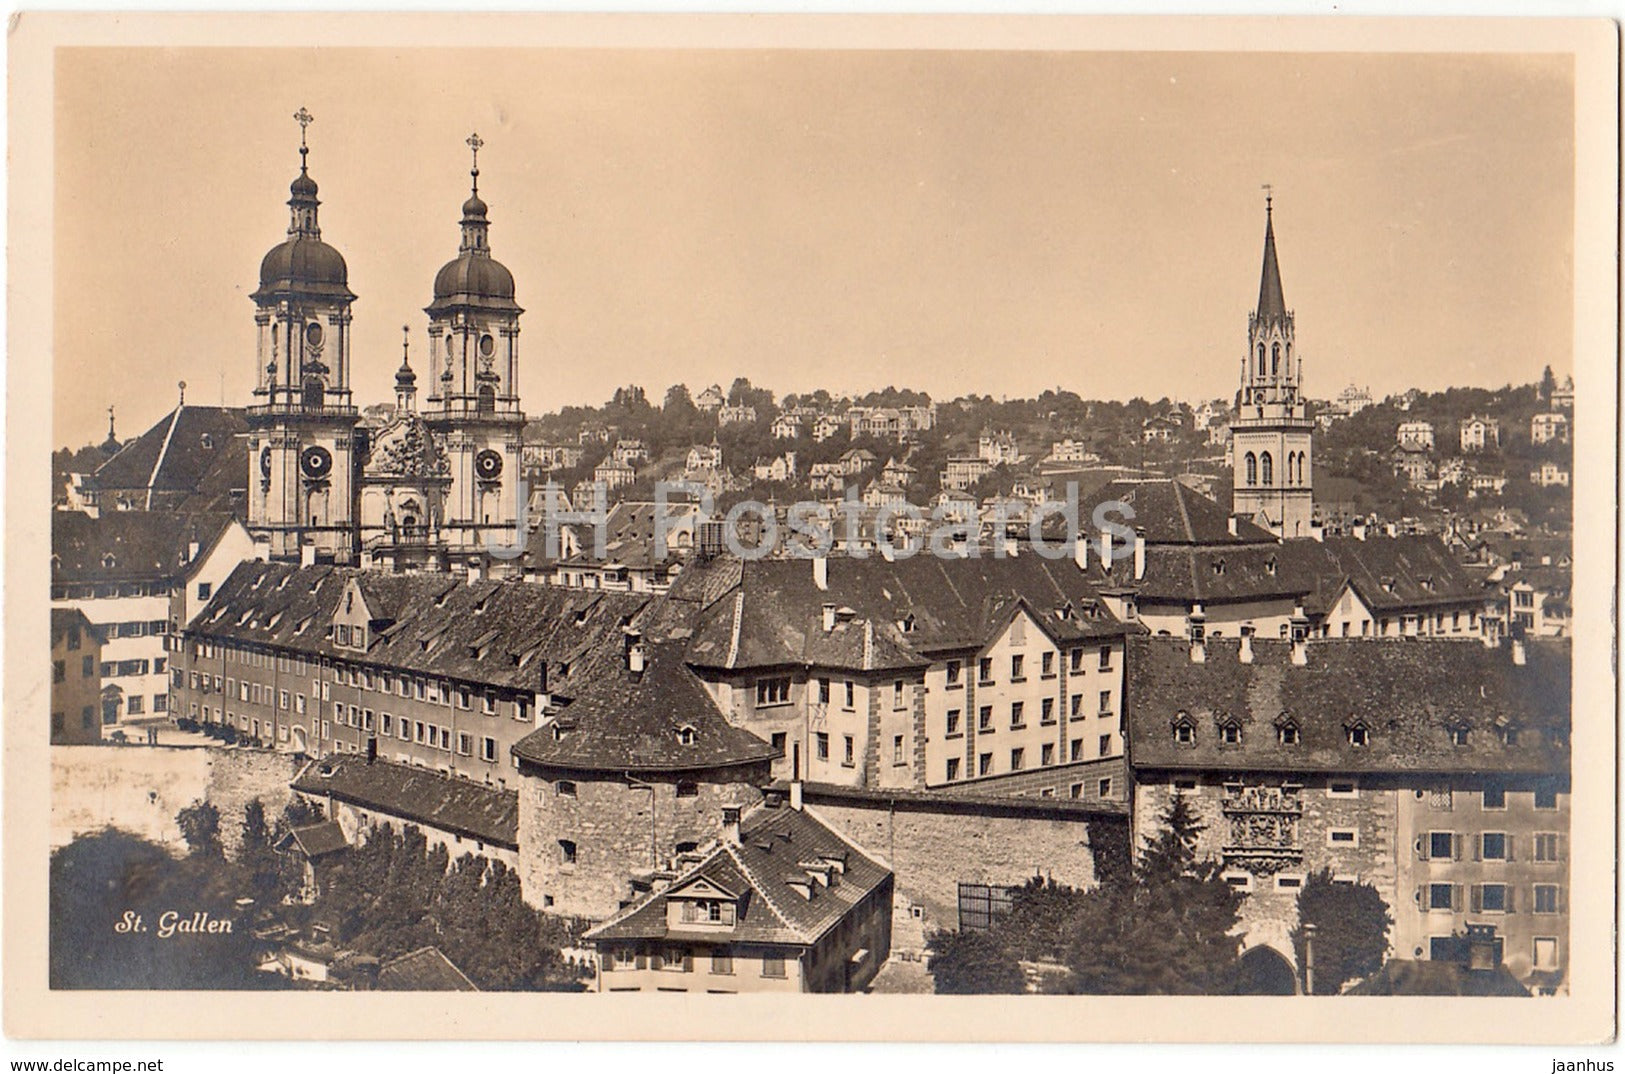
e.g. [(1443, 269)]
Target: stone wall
[(619, 827), (1058, 781), (934, 842), (140, 789)]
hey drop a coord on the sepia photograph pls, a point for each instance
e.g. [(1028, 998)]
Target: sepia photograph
[(613, 513)]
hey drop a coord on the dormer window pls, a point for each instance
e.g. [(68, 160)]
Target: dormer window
[(1230, 732), (1358, 734), (1509, 735), (685, 735), (1287, 733), (109, 561), (1184, 730), (1458, 735), (1269, 566), (1218, 566)]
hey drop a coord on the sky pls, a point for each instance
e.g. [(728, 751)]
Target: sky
[(954, 221)]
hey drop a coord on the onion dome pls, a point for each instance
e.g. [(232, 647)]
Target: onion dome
[(303, 264), (474, 278)]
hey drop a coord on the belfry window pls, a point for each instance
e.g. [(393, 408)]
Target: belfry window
[(487, 399), (1275, 360), (1252, 469), (1261, 359), (1267, 466), (313, 393)]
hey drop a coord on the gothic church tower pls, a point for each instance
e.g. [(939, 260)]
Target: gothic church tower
[(1271, 433)]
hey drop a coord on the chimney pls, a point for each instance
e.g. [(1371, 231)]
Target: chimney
[(1481, 948), (1198, 651), (1317, 530), (1139, 556), (636, 659), (730, 824), (1080, 552), (1300, 650), (1232, 521), (192, 549), (1358, 529), (1518, 654), (307, 555), (829, 618), (795, 795), (820, 568), (1246, 653), (474, 572)]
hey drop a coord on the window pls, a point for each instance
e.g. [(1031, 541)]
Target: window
[(1185, 733), (1018, 714), (465, 743), (386, 724), (1545, 796), (1287, 734), (1545, 952), (1495, 797), (897, 749), (846, 750), (821, 744), (954, 671), (1105, 745), (1105, 702), (823, 691), (1077, 661), (851, 693), (1359, 735), (1104, 788), (1342, 837), (489, 707), (1046, 712), (1046, 666), (984, 718), (1493, 899), (781, 741), (953, 723), (685, 735), (1105, 658), (688, 790), (1230, 734), (953, 769), (1018, 759), (1458, 736), (897, 694), (984, 671), (1288, 882), (1342, 788), (137, 705), (565, 788), (59, 671), (1441, 896), (1075, 750), (721, 962), (1046, 755), (1493, 846), (1441, 845), (1076, 709), (204, 589), (774, 691), (1017, 668), (984, 764), (488, 747), (1239, 881), (773, 964), (567, 851), (1546, 847), (1547, 899)]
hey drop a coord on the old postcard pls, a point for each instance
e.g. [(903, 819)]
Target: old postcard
[(606, 513)]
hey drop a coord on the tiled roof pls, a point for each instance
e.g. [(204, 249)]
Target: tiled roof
[(145, 546), (434, 622), (489, 814), (191, 449), (1169, 512), (1408, 693), (776, 846), (901, 609), (1271, 303), (618, 723), (425, 970), (315, 840)]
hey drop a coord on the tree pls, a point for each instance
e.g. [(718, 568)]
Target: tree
[(200, 827), (1351, 930), (973, 963), (257, 855), (1548, 385)]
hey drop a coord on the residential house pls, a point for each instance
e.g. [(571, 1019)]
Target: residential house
[(195, 459), (786, 426), (630, 452), (76, 682), (711, 400), (1480, 433), (1549, 475), (1546, 428), (1415, 434), (997, 448), (736, 415), (782, 903), (964, 471)]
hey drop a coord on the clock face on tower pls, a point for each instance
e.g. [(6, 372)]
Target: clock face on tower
[(488, 465), (265, 462), (316, 461)]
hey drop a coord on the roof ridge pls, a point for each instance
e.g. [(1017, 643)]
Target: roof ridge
[(738, 618), (163, 452)]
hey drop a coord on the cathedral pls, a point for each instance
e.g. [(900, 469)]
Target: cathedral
[(430, 487), (1271, 477)]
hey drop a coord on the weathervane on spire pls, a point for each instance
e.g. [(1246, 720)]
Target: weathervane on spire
[(304, 119), (475, 142), (406, 342), (1269, 198)]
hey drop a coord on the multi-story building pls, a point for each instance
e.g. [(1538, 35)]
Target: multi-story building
[(1411, 460), (430, 670), (76, 683), (194, 459), (1480, 433), (711, 399), (1354, 399), (786, 426), (978, 673), (1271, 434), (1546, 428), (1549, 475), (1538, 601), (631, 452), (997, 448), (964, 471), (1563, 395), (1415, 434), (1435, 771), (742, 414), (782, 903), (614, 474), (138, 577)]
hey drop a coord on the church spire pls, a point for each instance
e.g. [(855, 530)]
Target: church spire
[(1271, 303), (302, 200), (476, 229)]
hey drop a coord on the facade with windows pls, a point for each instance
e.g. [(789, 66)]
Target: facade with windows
[(76, 647), (1435, 771), (780, 903)]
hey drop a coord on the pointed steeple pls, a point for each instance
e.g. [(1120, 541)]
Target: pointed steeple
[(1271, 302), (302, 192)]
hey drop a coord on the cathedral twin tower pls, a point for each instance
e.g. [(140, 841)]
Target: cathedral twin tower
[(428, 487)]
